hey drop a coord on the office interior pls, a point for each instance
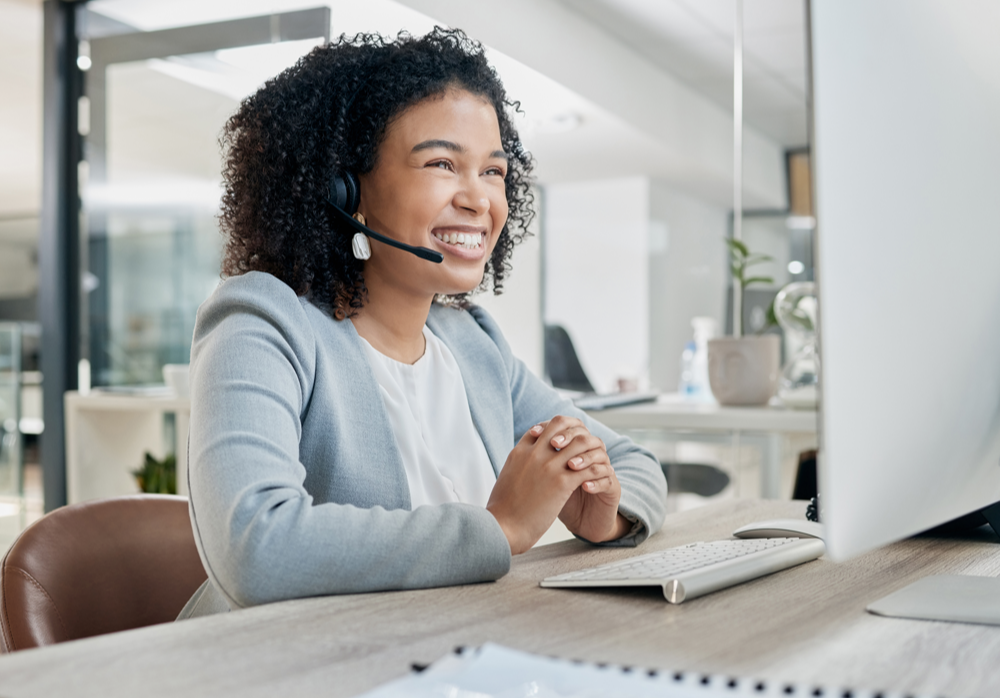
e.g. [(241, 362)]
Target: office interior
[(634, 182), (109, 242)]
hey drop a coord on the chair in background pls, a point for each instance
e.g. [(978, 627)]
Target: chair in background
[(98, 567), (700, 479), (562, 365)]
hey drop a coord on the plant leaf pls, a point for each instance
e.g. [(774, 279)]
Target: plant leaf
[(758, 280), (737, 245), (772, 317)]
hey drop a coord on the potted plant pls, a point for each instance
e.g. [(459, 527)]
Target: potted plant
[(156, 476), (743, 370)]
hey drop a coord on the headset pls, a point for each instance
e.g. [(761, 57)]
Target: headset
[(344, 197)]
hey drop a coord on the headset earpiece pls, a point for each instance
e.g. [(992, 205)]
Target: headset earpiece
[(345, 192), (344, 197)]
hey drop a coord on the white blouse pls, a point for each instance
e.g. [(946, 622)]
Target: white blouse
[(443, 454)]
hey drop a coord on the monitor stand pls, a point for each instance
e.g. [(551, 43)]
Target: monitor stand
[(970, 599)]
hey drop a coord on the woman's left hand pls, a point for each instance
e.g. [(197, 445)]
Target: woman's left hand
[(592, 510)]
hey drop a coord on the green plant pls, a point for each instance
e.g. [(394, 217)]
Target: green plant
[(740, 261), (157, 476)]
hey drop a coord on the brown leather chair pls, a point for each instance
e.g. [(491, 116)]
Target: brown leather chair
[(98, 567)]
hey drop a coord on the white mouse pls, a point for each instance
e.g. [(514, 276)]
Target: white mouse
[(772, 528)]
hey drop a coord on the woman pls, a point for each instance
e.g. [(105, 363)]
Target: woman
[(357, 424)]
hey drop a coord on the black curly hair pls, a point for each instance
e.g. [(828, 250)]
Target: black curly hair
[(329, 113)]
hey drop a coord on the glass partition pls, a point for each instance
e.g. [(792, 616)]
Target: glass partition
[(11, 448), (157, 97)]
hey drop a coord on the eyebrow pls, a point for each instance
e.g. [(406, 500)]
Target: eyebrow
[(452, 146)]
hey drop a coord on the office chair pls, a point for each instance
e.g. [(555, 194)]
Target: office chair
[(98, 567), (561, 363), (564, 371), (700, 479)]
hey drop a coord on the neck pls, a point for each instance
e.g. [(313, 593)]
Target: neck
[(392, 320)]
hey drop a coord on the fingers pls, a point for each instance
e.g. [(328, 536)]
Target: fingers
[(565, 436), (598, 477), (557, 425), (537, 429), (562, 431), (580, 461), (600, 485)]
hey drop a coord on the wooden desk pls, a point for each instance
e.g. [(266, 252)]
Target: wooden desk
[(760, 427), (805, 625)]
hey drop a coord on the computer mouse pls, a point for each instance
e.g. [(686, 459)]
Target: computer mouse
[(773, 528)]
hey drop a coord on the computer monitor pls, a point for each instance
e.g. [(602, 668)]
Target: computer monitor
[(906, 97)]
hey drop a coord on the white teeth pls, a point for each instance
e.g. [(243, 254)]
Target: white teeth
[(466, 240)]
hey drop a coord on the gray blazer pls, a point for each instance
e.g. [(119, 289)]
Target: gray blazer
[(297, 484)]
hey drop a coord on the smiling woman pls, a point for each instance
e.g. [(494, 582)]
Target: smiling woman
[(358, 424), (331, 113)]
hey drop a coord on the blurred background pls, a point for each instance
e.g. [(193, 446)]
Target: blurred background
[(627, 106)]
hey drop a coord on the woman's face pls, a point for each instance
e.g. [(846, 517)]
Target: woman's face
[(438, 181)]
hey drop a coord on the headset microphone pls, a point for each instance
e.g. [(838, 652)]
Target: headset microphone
[(345, 195)]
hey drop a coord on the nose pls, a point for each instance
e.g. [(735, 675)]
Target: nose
[(471, 195)]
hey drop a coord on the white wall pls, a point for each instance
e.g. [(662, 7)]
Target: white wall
[(518, 310), (629, 262), (21, 107), (596, 277), (687, 275), (693, 136)]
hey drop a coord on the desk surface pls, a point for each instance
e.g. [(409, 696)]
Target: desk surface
[(106, 400), (805, 625), (671, 412)]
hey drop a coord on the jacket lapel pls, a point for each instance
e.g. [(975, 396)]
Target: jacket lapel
[(370, 433)]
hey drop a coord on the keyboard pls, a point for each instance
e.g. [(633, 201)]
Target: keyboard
[(686, 572), (603, 401)]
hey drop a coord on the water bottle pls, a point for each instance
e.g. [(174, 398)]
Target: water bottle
[(689, 382), (704, 330)]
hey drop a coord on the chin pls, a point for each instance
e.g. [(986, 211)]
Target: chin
[(459, 289)]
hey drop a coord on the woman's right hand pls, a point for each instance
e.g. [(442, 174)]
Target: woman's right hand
[(536, 482)]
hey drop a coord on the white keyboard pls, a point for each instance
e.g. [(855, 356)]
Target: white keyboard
[(690, 571)]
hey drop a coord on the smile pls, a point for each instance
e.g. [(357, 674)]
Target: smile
[(469, 241)]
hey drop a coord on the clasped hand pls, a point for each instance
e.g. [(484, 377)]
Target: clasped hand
[(557, 469)]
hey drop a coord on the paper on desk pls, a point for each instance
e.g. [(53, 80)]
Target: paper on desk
[(496, 671)]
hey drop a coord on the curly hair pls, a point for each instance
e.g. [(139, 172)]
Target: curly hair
[(329, 113)]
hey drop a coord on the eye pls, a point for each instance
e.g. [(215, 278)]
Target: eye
[(442, 164), (498, 171)]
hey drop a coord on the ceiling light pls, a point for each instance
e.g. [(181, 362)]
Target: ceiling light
[(168, 194), (796, 267)]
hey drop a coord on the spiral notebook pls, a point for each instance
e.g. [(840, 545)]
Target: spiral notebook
[(496, 671)]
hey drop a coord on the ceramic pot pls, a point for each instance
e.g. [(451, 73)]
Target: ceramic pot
[(744, 370)]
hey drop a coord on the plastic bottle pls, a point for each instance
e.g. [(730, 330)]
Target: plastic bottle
[(704, 330), (687, 385)]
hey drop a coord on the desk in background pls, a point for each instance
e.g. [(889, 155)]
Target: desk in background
[(107, 435), (761, 427), (806, 626)]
